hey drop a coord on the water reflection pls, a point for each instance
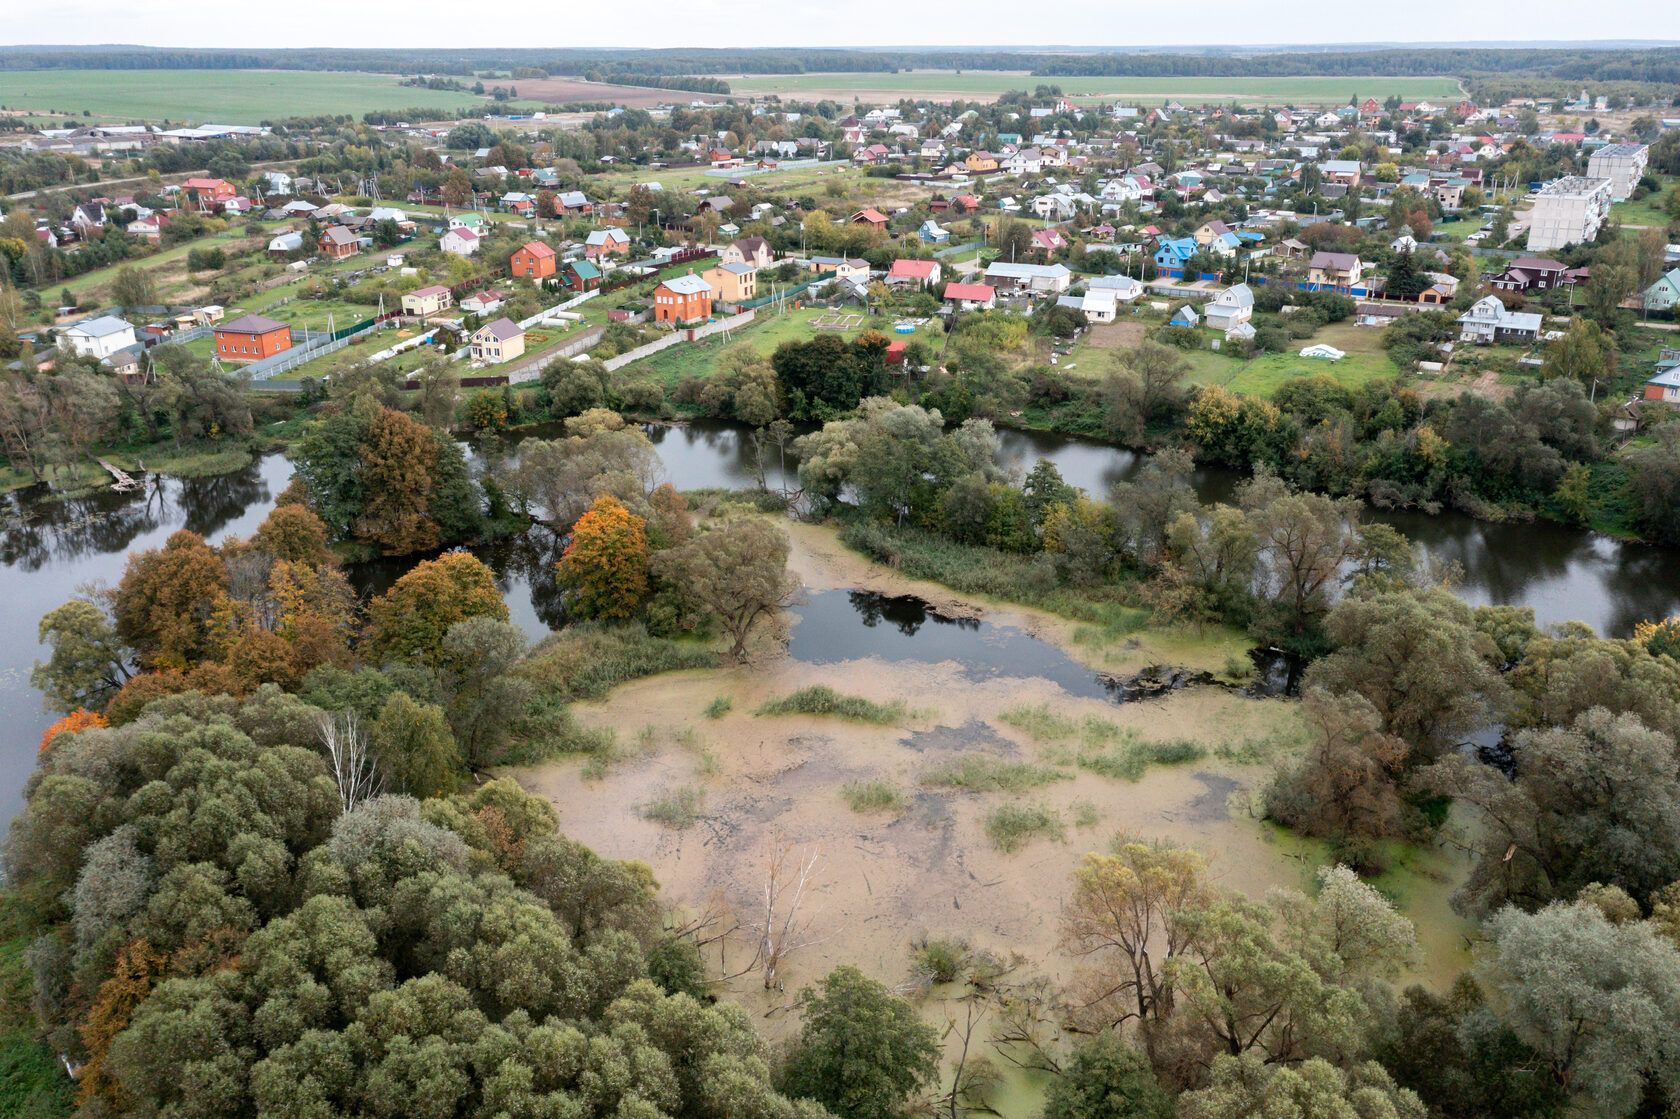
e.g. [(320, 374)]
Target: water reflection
[(905, 612)]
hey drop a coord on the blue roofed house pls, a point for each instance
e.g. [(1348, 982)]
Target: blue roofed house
[(1171, 254), (930, 233)]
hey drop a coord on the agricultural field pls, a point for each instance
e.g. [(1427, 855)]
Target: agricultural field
[(987, 85), (215, 96)]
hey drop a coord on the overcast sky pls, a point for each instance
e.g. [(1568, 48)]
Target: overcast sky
[(731, 23)]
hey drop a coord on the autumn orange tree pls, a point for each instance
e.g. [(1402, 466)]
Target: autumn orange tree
[(79, 719), (166, 600), (606, 564), (408, 622), (396, 471)]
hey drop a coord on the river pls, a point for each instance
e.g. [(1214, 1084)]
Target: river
[(50, 548)]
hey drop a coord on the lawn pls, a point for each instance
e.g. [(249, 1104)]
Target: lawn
[(767, 331), (1647, 211), (949, 84), (1365, 361), (218, 96)]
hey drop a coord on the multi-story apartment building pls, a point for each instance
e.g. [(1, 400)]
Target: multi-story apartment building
[(1622, 164), (1568, 211)]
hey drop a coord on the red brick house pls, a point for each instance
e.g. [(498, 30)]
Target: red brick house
[(338, 242), (533, 260), (211, 190), (682, 299), (252, 338)]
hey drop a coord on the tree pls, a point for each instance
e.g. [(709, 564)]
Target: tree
[(395, 470), (1595, 801), (1346, 787), (415, 747), (1597, 1002), (1243, 1087), (1585, 354), (409, 622), (167, 599), (737, 571), (481, 699), (606, 564), (134, 288), (1305, 538), (861, 1052), (1106, 1079), (1418, 658), (1654, 484), (1405, 281), (89, 662)]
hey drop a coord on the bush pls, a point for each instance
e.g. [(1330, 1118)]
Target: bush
[(872, 796), (675, 808), (824, 700), (719, 707), (1012, 826), (942, 960), (977, 773)]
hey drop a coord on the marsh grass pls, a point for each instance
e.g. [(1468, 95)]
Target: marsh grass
[(676, 808), (1131, 761), (976, 773), (874, 795), (719, 707), (1012, 826), (821, 699), (588, 660)]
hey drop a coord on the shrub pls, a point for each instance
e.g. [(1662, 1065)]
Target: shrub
[(873, 796), (675, 808), (719, 707), (941, 959), (824, 700), (1011, 826), (976, 773)]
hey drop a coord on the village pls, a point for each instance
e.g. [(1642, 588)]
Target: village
[(1210, 222)]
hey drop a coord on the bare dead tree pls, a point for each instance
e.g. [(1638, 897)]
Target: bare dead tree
[(354, 768), (784, 927), (971, 1076)]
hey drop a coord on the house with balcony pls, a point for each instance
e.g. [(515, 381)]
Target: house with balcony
[(1334, 272)]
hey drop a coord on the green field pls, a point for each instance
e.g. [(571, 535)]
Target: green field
[(1365, 361), (949, 84), (1648, 210), (215, 96)]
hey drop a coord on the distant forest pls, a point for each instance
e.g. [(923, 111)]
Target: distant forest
[(1543, 65)]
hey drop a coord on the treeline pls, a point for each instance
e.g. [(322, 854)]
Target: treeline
[(1571, 65), (661, 81)]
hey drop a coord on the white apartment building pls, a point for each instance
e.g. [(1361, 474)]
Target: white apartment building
[(1622, 164), (1568, 211)]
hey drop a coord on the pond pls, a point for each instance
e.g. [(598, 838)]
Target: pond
[(50, 548)]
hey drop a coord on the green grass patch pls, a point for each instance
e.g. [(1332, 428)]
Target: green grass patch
[(719, 707), (874, 795), (1012, 826), (1132, 761), (977, 773), (677, 808), (821, 699), (587, 661)]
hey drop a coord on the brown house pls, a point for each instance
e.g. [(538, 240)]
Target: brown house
[(338, 242), (533, 260)]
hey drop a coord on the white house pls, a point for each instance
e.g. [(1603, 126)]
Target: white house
[(1099, 305), (1230, 307), (100, 337), (1487, 320), (1125, 289), (461, 241)]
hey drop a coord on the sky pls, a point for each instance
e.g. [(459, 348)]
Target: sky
[(731, 23)]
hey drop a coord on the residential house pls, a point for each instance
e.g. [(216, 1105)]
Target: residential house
[(1172, 254), (251, 338), (483, 302), (277, 182), (337, 242), (1209, 231), (1185, 316), (1125, 288), (502, 340), (533, 260), (1532, 273), (604, 243), (1232, 306), (875, 219), (735, 281), (573, 202), (97, 337), (1347, 172), (754, 251), (580, 276), (1665, 386), (150, 228), (969, 297), (1334, 271), (855, 268), (1048, 241), (1664, 294), (682, 299), (931, 233), (427, 301), (1488, 321), (1027, 161), (462, 241), (1098, 305), (1405, 243), (87, 217), (210, 192), (977, 162), (285, 243), (1038, 279), (913, 273)]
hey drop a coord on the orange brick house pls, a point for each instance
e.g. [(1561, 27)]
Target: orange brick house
[(339, 242), (211, 190), (682, 299), (251, 338), (534, 260)]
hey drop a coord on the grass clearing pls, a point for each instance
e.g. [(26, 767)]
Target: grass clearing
[(976, 773), (820, 699), (587, 661), (1012, 826), (676, 808), (1366, 361), (220, 96), (874, 795)]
